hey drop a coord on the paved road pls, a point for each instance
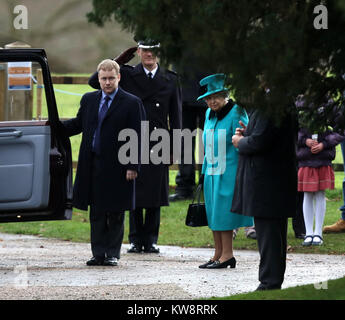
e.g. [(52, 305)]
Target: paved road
[(39, 268)]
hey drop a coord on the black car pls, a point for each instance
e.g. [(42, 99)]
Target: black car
[(35, 154)]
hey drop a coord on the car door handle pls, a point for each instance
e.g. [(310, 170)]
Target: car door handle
[(12, 133)]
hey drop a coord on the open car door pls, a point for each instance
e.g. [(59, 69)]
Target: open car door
[(35, 154)]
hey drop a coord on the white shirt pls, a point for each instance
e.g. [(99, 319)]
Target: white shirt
[(153, 71)]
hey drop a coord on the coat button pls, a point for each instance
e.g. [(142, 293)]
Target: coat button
[(157, 104)]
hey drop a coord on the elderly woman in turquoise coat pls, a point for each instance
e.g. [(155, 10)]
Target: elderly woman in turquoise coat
[(222, 118)]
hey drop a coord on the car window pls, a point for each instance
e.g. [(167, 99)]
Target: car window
[(22, 95), (35, 155)]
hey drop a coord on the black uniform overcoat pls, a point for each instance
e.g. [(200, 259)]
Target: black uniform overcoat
[(266, 178), (113, 193), (161, 97)]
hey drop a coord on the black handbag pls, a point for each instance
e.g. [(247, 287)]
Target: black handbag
[(196, 215)]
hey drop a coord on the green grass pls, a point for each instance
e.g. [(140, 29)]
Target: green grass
[(68, 106), (328, 290), (67, 101), (72, 74)]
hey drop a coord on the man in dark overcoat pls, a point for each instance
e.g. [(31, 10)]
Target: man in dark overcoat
[(266, 188), (102, 180), (160, 93)]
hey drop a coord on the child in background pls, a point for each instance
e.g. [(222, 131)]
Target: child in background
[(315, 174)]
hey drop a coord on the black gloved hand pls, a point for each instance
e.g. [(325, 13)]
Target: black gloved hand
[(126, 56)]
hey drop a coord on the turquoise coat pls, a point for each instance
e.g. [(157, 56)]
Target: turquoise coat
[(219, 167)]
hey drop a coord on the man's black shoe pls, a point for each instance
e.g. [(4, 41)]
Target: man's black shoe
[(299, 235), (134, 248), (95, 262), (110, 261), (177, 197), (262, 287), (151, 249)]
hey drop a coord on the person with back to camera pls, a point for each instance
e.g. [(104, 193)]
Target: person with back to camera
[(266, 187), (219, 169), (315, 174)]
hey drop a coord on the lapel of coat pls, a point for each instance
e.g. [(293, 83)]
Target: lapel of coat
[(148, 87), (94, 109)]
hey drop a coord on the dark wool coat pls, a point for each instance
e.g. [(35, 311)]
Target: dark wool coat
[(113, 193), (266, 178), (324, 158), (161, 97)]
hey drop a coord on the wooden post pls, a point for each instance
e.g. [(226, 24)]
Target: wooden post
[(39, 94), (2, 91), (18, 105)]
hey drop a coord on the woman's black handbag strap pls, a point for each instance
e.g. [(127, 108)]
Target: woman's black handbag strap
[(197, 193)]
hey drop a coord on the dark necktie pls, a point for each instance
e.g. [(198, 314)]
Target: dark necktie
[(101, 114), (150, 75)]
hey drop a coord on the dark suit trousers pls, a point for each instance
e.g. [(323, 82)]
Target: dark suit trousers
[(107, 235), (298, 220), (144, 233), (272, 242), (107, 228)]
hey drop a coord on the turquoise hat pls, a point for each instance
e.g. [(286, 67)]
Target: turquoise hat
[(214, 83)]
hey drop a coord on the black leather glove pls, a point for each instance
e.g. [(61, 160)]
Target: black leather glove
[(126, 56)]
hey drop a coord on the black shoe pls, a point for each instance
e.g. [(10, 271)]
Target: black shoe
[(308, 240), (217, 264), (95, 262), (134, 248), (251, 235), (299, 235), (110, 261), (151, 249), (204, 265), (177, 197), (263, 287)]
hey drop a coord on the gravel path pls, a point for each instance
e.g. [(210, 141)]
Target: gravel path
[(37, 268)]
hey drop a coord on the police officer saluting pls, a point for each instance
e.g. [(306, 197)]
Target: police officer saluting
[(160, 93)]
